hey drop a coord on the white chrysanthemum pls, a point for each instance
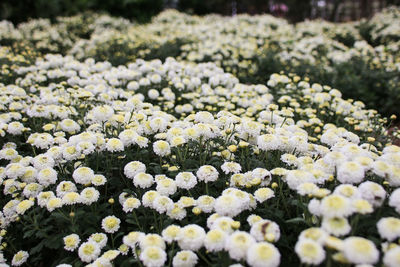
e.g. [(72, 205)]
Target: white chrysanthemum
[(71, 198), (114, 145), (265, 230), (32, 190), (99, 238), (47, 176), (44, 197), (162, 204), (23, 206), (69, 126), (336, 226), (65, 187), (294, 178), (166, 187), (89, 195), (148, 198), (223, 223), (133, 168), (392, 257), (359, 250), (215, 240), (238, 243), (43, 161), (316, 234), (71, 242), (350, 172), (177, 212), (132, 239), (191, 237), (110, 224), (83, 175), (207, 173), (263, 254), (268, 142), (309, 251), (151, 240), (205, 203), (372, 192), (54, 203), (231, 167), (394, 200), (228, 205), (143, 180), (89, 251), (153, 256), (98, 180), (186, 180), (185, 258), (335, 206), (307, 189), (263, 194), (347, 190), (19, 258), (130, 204), (161, 148), (171, 233), (389, 228)]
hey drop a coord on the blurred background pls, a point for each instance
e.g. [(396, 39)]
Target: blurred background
[(143, 10)]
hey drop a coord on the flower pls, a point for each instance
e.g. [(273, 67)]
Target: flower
[(130, 204), (19, 258), (185, 180), (153, 256), (110, 224), (215, 240), (309, 251), (88, 251), (143, 180), (83, 175), (359, 250), (133, 168), (389, 228), (392, 257), (71, 242), (161, 148), (171, 233), (207, 173), (263, 254), (191, 237), (184, 258), (238, 243), (335, 206)]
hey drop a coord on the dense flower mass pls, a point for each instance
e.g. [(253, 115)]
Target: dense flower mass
[(175, 162)]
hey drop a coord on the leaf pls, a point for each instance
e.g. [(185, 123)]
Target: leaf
[(296, 220)]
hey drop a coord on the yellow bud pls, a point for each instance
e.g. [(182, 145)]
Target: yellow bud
[(393, 117), (371, 139), (270, 237), (196, 210), (232, 148), (111, 201), (235, 224), (243, 144), (274, 185)]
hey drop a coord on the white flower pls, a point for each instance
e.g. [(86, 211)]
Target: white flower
[(336, 226), (238, 243), (83, 175), (263, 254), (89, 251), (143, 180), (186, 180), (359, 250), (19, 258), (389, 228), (99, 238), (215, 240), (130, 204), (166, 186), (47, 176), (133, 168), (350, 172), (394, 200), (71, 242), (89, 195), (114, 145), (336, 206), (191, 237), (309, 251), (171, 233), (110, 224), (231, 167), (162, 204), (207, 173), (184, 258), (265, 230), (153, 256), (392, 257), (161, 148)]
